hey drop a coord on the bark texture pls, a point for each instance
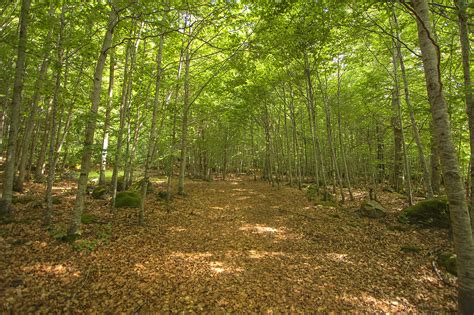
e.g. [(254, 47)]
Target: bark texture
[(460, 218)]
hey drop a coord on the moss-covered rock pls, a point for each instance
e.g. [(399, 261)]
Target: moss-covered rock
[(447, 261), (127, 199), (429, 213), (371, 209), (100, 192)]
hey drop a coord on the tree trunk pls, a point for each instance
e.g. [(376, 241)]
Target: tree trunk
[(468, 94), (75, 224), (434, 164), (460, 220), (312, 118), (9, 173), (108, 109), (153, 132), (123, 106), (341, 143), (398, 127), (30, 122), (416, 134), (39, 172), (173, 129), (52, 142), (184, 120)]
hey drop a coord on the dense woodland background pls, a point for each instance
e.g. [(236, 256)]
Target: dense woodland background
[(352, 97)]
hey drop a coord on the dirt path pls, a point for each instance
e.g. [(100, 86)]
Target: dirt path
[(231, 246)]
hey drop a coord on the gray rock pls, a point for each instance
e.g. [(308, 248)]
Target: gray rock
[(371, 209)]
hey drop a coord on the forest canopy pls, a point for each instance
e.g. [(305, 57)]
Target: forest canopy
[(343, 97)]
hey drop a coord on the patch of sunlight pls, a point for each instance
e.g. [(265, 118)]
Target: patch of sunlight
[(240, 189), (258, 254), (177, 229), (158, 180), (336, 257), (57, 270), (357, 194), (259, 229), (191, 256), (217, 208), (139, 268), (219, 267), (385, 305), (243, 198), (430, 279), (234, 183)]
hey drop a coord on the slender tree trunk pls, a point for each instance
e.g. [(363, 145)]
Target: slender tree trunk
[(398, 126), (153, 132), (127, 175), (468, 93), (52, 142), (184, 120), (435, 164), (39, 172), (173, 129), (123, 105), (341, 143), (108, 109), (460, 219), (380, 152), (30, 122), (287, 142), (416, 134), (296, 149), (312, 118), (3, 115), (9, 173), (335, 168), (75, 224)]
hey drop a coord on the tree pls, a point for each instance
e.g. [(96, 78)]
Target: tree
[(461, 223), (75, 223), (9, 174)]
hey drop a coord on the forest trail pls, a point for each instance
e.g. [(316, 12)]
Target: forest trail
[(233, 245)]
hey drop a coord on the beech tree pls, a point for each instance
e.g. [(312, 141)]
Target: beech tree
[(346, 101), (460, 219)]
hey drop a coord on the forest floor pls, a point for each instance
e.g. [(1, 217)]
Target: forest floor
[(228, 246)]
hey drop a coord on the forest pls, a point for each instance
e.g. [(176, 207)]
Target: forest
[(236, 156)]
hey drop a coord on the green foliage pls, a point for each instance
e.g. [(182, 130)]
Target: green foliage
[(23, 199), (138, 186), (448, 262), (59, 233), (410, 249), (312, 192), (100, 192), (84, 245), (127, 199), (428, 213), (88, 218)]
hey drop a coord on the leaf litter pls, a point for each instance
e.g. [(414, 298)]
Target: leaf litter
[(228, 246)]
